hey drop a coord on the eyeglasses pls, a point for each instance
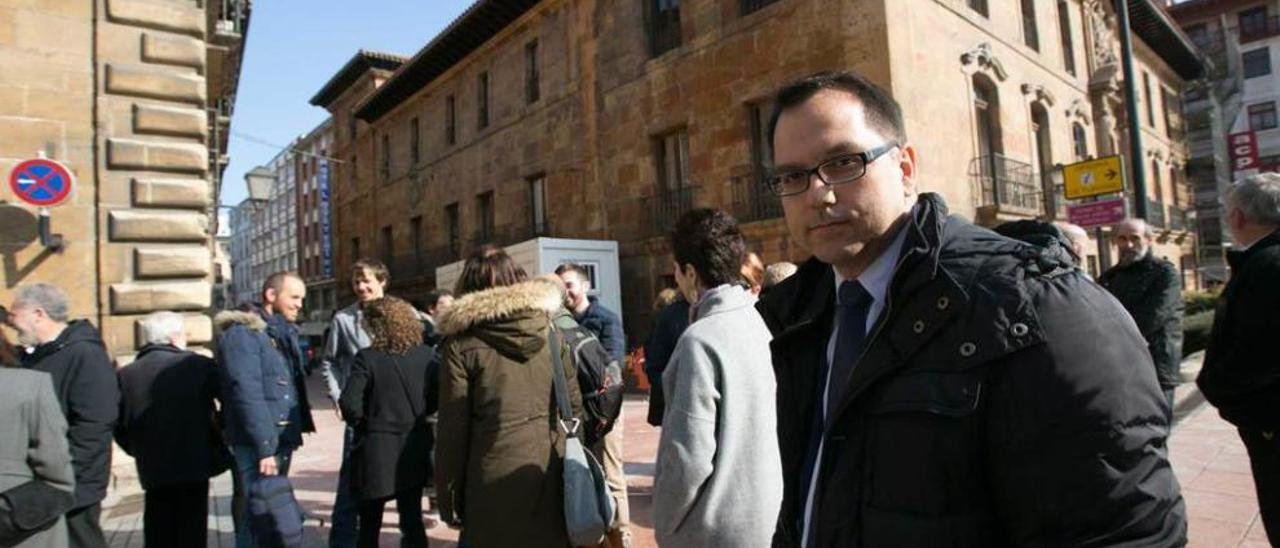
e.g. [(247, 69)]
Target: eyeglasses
[(842, 169)]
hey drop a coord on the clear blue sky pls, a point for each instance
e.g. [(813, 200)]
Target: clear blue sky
[(294, 47)]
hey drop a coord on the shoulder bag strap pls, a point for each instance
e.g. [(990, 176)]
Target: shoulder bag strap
[(568, 423)]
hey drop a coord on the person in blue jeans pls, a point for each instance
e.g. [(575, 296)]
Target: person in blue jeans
[(260, 369), (347, 336)]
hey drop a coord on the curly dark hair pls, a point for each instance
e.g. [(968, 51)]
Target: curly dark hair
[(393, 325), (709, 239)]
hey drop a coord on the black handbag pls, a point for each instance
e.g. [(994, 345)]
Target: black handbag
[(31, 508)]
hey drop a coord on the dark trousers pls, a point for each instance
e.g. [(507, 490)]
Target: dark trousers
[(408, 505), (83, 528), (176, 515), (1264, 458)]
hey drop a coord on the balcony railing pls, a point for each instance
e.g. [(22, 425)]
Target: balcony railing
[(664, 28), (752, 200), (665, 208), (1155, 214), (1008, 185)]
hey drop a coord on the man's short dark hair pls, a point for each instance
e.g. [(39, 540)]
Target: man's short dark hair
[(710, 240), (433, 297), (275, 282), (881, 110), (576, 268)]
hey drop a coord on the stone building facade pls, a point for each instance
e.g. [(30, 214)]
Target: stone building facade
[(607, 120), (135, 98)]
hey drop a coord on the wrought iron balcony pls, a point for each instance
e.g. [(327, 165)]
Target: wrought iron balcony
[(752, 200), (1005, 186), (665, 208), (748, 6)]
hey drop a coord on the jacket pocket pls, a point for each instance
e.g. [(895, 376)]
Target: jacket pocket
[(924, 444)]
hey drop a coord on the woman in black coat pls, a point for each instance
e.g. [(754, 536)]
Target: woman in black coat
[(391, 391)]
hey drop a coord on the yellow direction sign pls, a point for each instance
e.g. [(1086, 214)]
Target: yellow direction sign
[(1094, 177)]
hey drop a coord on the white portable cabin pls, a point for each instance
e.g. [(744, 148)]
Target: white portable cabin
[(543, 255)]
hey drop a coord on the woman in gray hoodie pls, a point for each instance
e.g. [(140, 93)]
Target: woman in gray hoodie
[(719, 473)]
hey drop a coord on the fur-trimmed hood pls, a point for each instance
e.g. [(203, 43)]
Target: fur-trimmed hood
[(229, 318), (501, 303)]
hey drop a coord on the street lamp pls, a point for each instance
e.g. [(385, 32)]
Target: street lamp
[(260, 181)]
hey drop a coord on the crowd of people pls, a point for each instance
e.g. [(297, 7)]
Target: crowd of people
[(919, 381)]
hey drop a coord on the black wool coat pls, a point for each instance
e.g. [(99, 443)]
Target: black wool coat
[(167, 417), (386, 401), (85, 381), (1150, 288), (1241, 374)]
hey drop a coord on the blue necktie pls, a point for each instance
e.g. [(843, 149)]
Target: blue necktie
[(852, 306)]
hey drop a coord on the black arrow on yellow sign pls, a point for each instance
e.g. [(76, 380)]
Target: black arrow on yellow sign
[(1111, 174)]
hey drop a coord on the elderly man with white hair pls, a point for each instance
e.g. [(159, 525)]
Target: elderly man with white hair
[(167, 425), (1241, 374), (72, 353)]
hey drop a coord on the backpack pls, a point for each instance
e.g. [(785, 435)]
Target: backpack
[(599, 379)]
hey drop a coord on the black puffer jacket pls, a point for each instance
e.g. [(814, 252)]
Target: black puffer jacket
[(85, 382), (1241, 374), (1002, 400), (1151, 290)]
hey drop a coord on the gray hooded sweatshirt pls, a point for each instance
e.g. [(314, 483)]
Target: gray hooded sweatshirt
[(719, 473)]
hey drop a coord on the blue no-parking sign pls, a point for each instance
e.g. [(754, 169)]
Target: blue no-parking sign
[(41, 182)]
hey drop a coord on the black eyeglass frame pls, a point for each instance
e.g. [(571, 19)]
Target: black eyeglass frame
[(866, 156)]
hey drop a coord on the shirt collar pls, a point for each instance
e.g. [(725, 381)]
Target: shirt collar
[(877, 277)]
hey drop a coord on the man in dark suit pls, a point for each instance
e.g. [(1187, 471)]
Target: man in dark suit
[(167, 424)]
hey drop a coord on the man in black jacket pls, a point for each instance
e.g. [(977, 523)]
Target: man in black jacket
[(1151, 290), (1241, 374), (85, 381), (167, 424), (933, 388)]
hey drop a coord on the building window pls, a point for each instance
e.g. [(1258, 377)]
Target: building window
[(355, 249), (538, 205), (1262, 116), (532, 86), (351, 125), (484, 217), (664, 25), (1068, 46), (453, 228), (1080, 141), (384, 167), (450, 120), (1148, 99), (1030, 36), (748, 6), (415, 231), (387, 251), (986, 106), (1158, 184), (673, 160), (482, 100), (1173, 121), (415, 141), (979, 6), (1253, 21), (1257, 62), (761, 147)]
